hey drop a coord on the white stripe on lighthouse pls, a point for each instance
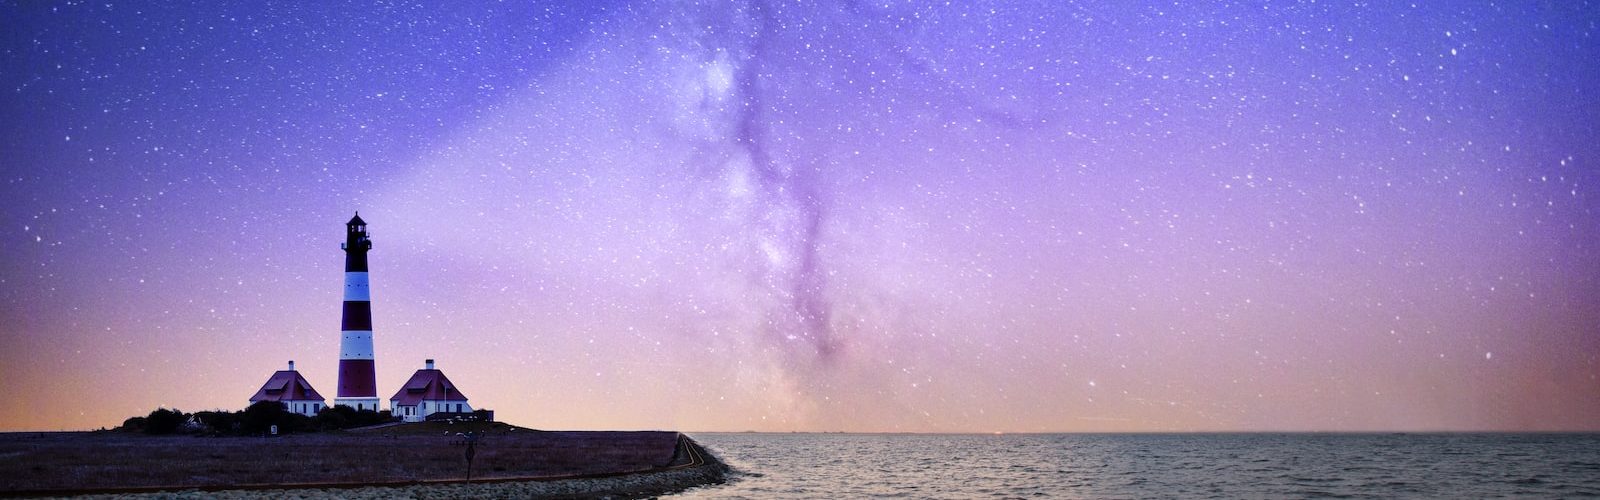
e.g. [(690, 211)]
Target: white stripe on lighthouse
[(355, 344), (355, 287)]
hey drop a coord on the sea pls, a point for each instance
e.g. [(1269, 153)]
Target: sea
[(1442, 465)]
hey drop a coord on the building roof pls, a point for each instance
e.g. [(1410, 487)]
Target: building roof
[(286, 385), (356, 221), (427, 385)]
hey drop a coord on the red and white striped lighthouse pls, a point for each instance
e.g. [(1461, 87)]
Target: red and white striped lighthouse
[(358, 387)]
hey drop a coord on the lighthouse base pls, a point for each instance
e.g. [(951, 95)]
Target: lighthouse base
[(358, 403)]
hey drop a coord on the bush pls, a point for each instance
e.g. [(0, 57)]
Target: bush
[(256, 420), (261, 416), (219, 422), (369, 417), (345, 417), (133, 424), (164, 421), (333, 418)]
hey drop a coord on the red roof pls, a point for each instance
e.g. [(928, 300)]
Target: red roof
[(430, 385), (286, 385)]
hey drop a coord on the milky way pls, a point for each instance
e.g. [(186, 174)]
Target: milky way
[(788, 212), (994, 216)]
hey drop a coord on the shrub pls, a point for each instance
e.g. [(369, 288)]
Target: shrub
[(164, 421), (345, 417), (132, 424), (261, 416), (258, 419), (219, 422), (332, 418)]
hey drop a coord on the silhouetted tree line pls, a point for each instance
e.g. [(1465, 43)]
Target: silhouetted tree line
[(256, 420)]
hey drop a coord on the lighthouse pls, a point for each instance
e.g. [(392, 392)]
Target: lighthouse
[(358, 388)]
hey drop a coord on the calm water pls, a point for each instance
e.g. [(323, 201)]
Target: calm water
[(1156, 466)]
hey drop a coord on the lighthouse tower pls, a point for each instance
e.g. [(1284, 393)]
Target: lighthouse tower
[(357, 384)]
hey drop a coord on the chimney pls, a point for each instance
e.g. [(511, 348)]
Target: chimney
[(291, 365), (430, 364)]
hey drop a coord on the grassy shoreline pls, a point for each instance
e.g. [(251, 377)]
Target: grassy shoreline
[(426, 457)]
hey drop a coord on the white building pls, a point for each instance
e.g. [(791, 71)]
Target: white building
[(291, 389), (428, 392)]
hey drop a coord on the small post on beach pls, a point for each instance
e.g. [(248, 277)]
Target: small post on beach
[(472, 449)]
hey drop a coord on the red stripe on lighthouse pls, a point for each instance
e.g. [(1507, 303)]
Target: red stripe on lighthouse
[(356, 378)]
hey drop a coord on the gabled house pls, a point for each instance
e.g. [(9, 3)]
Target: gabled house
[(291, 389), (427, 392)]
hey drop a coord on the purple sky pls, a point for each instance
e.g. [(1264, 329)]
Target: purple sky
[(994, 216)]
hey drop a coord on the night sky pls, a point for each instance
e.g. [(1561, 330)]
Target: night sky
[(989, 216)]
